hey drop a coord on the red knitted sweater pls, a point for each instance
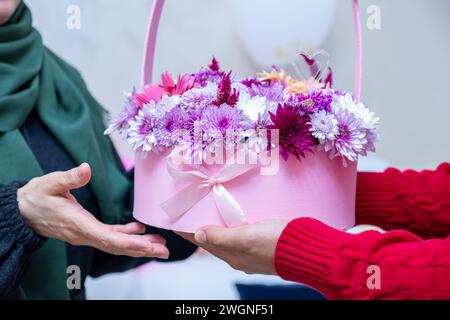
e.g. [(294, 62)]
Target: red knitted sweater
[(411, 263)]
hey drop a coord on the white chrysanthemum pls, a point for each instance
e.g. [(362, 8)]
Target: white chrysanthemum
[(252, 107), (368, 120), (210, 89), (324, 126), (199, 98), (351, 139), (165, 105)]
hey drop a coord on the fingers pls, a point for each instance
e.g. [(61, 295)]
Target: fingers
[(134, 245), (156, 238), (125, 240), (61, 182), (220, 237), (137, 228), (130, 228), (188, 236), (160, 251), (215, 236)]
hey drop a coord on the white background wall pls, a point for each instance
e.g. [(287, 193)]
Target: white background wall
[(407, 72)]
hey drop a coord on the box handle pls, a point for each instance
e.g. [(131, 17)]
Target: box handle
[(150, 45)]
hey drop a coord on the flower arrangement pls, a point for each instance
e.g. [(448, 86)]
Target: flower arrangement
[(211, 109)]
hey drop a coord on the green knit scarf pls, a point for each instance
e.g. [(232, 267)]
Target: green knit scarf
[(34, 78)]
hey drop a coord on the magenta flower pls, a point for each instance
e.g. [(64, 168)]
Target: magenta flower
[(155, 92), (184, 83), (249, 82), (216, 109), (211, 75), (214, 66), (294, 132), (226, 94), (151, 92)]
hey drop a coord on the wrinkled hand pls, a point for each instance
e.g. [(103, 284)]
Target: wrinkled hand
[(52, 211), (249, 248)]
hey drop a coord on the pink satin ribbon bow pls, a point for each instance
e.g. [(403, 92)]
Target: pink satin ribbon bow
[(201, 185)]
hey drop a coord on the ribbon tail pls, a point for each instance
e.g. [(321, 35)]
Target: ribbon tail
[(228, 207), (185, 199)]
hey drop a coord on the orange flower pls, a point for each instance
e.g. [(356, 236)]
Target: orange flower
[(273, 75), (294, 86), (303, 87)]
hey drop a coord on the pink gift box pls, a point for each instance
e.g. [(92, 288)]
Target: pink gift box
[(314, 187)]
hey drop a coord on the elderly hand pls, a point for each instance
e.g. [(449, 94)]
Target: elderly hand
[(52, 211), (249, 248)]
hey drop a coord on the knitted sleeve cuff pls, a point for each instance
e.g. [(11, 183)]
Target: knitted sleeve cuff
[(305, 251), (376, 198), (417, 201), (12, 223)]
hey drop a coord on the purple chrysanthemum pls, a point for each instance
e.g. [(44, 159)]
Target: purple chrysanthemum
[(223, 118), (191, 144), (199, 98), (203, 77), (294, 132), (194, 117), (313, 102), (221, 126), (351, 139), (212, 103), (141, 131), (120, 123), (198, 142), (273, 91), (166, 127)]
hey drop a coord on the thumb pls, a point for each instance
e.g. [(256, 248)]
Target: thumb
[(220, 237), (59, 182)]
